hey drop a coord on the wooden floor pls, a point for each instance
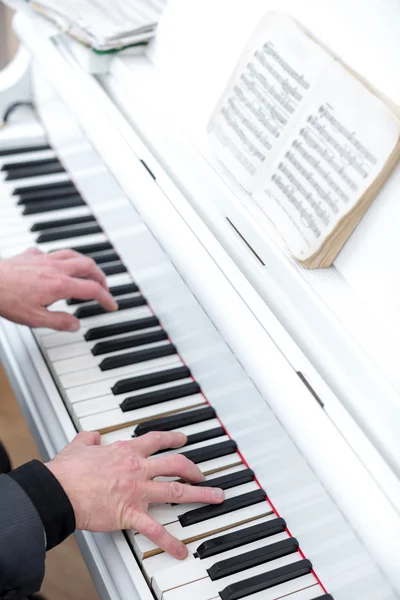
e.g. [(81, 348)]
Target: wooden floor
[(66, 575)]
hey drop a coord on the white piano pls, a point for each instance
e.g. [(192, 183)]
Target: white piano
[(286, 381)]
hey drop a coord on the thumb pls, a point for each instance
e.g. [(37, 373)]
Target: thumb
[(87, 438), (60, 321)]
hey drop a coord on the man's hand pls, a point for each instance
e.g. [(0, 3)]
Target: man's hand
[(110, 487), (32, 281)]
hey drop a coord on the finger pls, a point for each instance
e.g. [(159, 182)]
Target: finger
[(87, 438), (158, 535), (181, 493), (85, 289), (64, 254), (158, 440), (33, 251), (82, 266), (59, 321), (174, 465)]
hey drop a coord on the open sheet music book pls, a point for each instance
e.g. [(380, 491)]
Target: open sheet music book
[(305, 137)]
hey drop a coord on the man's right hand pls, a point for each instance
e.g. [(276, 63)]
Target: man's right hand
[(111, 487)]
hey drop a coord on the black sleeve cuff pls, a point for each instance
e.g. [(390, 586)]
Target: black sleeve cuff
[(49, 499)]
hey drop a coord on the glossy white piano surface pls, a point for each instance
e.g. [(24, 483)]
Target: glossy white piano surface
[(328, 456)]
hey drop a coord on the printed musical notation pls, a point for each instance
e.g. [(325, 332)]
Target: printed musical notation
[(325, 112), (263, 100), (270, 50), (306, 216), (324, 168), (326, 156)]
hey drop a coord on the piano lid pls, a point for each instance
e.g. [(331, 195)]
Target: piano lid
[(346, 319)]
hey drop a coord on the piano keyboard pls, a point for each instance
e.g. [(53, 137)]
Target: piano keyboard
[(122, 374)]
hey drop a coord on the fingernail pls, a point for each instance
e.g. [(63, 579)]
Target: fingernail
[(183, 438), (218, 494), (73, 327), (182, 552)]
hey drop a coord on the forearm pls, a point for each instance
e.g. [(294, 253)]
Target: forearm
[(34, 512)]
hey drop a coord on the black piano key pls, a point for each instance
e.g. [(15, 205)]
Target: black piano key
[(89, 248), (131, 358), (43, 225), (64, 234), (42, 188), (48, 192), (129, 342), (198, 515), (38, 171), (176, 421), (101, 258), (211, 452), (226, 482), (247, 560), (159, 396), (144, 381), (49, 205), (203, 436), (91, 310), (98, 333), (266, 580), (236, 539), (115, 290), (24, 149), (28, 164), (324, 597), (114, 269), (124, 288)]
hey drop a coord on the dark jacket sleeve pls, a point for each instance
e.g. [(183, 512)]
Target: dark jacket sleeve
[(35, 516), (22, 542)]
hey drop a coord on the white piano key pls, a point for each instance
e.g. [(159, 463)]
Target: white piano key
[(92, 375), (51, 339), (238, 490), (112, 419), (205, 589), (13, 228), (183, 574), (160, 562), (88, 361), (14, 216), (27, 156), (219, 465), (62, 305), (103, 387), (10, 186), (144, 548), (83, 347), (126, 434), (203, 444), (166, 514), (20, 239), (308, 593), (111, 401), (18, 247), (303, 588), (107, 318)]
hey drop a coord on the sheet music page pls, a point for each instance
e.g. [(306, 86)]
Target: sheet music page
[(265, 97), (334, 156)]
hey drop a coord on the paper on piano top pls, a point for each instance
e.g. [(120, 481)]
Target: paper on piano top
[(104, 25), (306, 138)]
